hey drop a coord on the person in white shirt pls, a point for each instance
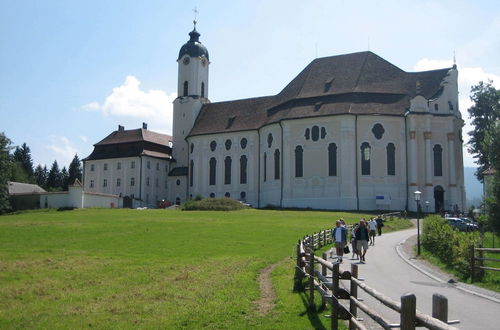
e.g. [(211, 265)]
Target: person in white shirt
[(373, 227)]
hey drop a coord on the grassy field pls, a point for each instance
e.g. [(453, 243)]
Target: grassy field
[(105, 268)]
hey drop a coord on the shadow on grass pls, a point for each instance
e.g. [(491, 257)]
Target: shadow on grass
[(312, 314)]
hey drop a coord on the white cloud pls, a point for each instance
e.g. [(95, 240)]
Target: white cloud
[(128, 101), (92, 106), (63, 150), (83, 138), (467, 77)]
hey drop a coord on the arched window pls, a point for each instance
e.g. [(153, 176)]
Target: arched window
[(315, 133), (227, 170), (365, 158), (276, 164), (191, 166), (308, 133), (391, 159), (378, 131), (299, 170), (332, 159), (265, 167), (185, 89), (438, 160), (323, 132), (243, 169), (269, 140), (202, 89), (212, 170)]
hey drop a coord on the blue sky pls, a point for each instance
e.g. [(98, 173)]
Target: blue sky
[(71, 71)]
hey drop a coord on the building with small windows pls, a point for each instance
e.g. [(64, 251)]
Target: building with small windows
[(133, 164), (349, 132)]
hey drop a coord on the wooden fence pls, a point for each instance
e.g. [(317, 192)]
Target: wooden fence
[(477, 261), (328, 286)]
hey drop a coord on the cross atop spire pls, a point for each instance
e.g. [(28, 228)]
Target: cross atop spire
[(195, 11)]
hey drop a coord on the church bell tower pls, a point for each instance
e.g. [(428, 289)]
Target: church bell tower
[(192, 93)]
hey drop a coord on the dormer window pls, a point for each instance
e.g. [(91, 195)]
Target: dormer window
[(185, 89)]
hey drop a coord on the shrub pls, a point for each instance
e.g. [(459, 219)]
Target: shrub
[(213, 204), (448, 244)]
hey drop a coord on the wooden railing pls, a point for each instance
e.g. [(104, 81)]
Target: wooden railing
[(328, 286), (477, 261)]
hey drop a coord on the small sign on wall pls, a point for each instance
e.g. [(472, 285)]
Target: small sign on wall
[(382, 199)]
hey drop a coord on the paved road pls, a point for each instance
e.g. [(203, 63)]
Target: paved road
[(388, 273)]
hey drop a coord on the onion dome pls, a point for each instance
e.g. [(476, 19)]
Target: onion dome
[(193, 47)]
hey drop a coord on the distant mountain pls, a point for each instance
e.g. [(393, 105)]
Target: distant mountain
[(473, 188)]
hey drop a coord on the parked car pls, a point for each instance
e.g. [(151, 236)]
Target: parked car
[(457, 224), (472, 225)]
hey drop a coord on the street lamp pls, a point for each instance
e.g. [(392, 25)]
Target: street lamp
[(427, 207), (417, 199)]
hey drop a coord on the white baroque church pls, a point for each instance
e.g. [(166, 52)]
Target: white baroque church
[(349, 132)]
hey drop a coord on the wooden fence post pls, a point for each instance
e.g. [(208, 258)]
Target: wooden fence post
[(298, 272), (335, 301), (440, 307), (408, 311), (354, 293), (324, 238), (311, 278), (472, 263)]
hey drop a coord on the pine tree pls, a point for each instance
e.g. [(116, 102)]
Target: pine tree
[(54, 177), (75, 170), (41, 175), (23, 156), (4, 172), (64, 179)]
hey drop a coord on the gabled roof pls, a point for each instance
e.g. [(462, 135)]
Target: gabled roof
[(357, 83), (135, 135), (16, 188)]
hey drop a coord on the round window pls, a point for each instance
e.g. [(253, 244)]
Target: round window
[(228, 144), (378, 131), (178, 182), (243, 195), (243, 143), (212, 195), (227, 195), (213, 145)]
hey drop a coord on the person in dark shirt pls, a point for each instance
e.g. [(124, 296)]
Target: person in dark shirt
[(380, 224), (362, 239)]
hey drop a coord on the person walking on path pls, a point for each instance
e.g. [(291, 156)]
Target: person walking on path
[(339, 235), (380, 224), (354, 242), (372, 224), (362, 239)]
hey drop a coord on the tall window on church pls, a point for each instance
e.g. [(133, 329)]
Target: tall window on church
[(202, 89), (391, 159), (332, 159), (212, 168), (438, 160), (265, 167), (299, 163), (227, 170), (191, 166), (276, 164), (185, 93), (365, 158), (243, 169)]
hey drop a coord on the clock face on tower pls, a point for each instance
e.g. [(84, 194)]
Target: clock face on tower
[(185, 60)]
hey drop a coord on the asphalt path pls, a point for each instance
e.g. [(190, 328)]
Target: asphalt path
[(387, 272)]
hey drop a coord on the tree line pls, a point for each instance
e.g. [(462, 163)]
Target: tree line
[(16, 164)]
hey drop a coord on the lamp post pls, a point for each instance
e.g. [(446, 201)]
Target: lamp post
[(417, 199), (427, 207)]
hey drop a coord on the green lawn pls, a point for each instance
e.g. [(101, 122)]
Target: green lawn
[(153, 268)]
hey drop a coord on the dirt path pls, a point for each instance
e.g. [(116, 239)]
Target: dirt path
[(267, 295)]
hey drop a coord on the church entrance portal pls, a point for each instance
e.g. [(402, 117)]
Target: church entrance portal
[(439, 199)]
